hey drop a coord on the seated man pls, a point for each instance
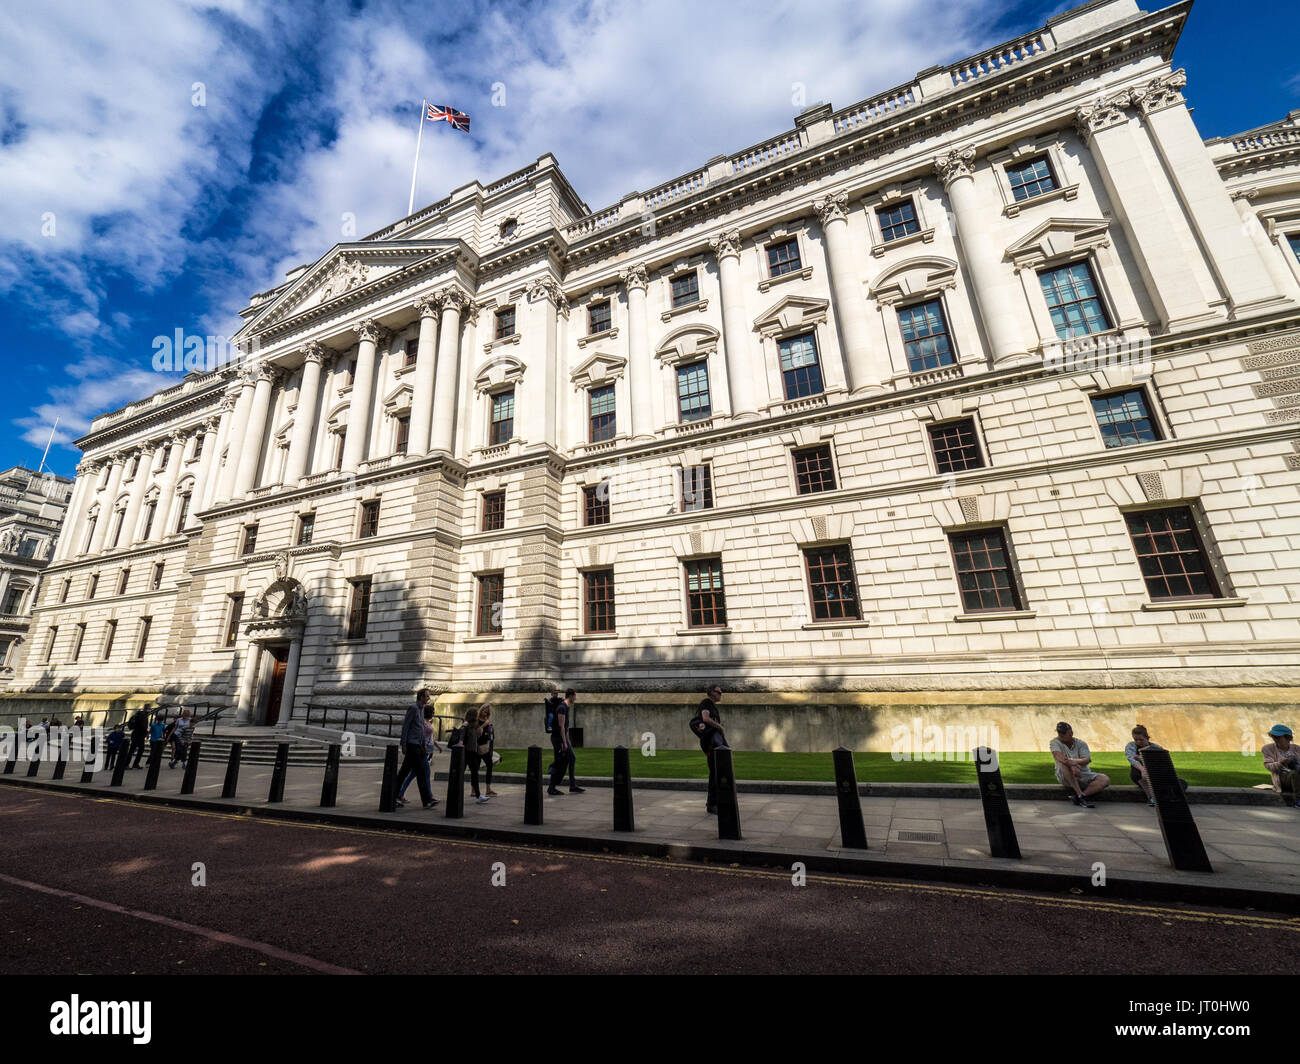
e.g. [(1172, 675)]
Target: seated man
[(1073, 759), (1137, 771), (1282, 759)]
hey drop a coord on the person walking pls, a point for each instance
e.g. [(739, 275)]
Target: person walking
[(430, 744), (139, 729), (563, 747), (485, 749), (413, 745), (548, 711), (181, 732), (707, 726), (471, 733)]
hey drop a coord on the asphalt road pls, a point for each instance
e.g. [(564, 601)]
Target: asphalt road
[(100, 886)]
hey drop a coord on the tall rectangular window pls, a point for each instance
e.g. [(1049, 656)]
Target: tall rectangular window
[(403, 435), (306, 528), (1029, 179), (49, 647), (595, 504), (92, 586), (494, 511), (184, 515), (123, 581), (155, 578), (503, 418), (198, 447), (693, 402), (1294, 240), (142, 643), (1171, 555), (505, 322), (369, 519), (831, 584), (897, 220), (686, 289), (600, 408), (250, 539), (118, 517), (1124, 418), (956, 447), (13, 598), (78, 637), (706, 599), (90, 534), (598, 317), (410, 352), (234, 611), (491, 593), (340, 448), (801, 371), (984, 574), (783, 257), (359, 608), (150, 511), (598, 600), (925, 336), (64, 588), (697, 488), (814, 469), (110, 634), (1072, 300)]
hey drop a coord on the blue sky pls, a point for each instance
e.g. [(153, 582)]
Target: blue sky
[(127, 211)]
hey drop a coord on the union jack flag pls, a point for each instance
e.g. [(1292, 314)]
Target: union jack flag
[(458, 119)]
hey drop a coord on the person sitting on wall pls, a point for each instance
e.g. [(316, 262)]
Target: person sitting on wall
[(1137, 770), (1073, 759), (1282, 759)]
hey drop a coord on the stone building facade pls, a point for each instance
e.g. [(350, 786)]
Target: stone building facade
[(984, 384)]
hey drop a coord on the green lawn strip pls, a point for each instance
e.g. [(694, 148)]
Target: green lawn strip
[(1199, 768)]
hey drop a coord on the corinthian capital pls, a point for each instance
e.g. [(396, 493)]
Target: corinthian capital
[(546, 288), (1161, 92), (452, 298), (428, 308), (725, 243), (314, 352), (834, 208), (635, 276), (1102, 113), (371, 330), (955, 163)]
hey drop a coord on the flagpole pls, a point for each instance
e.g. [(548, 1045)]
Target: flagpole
[(424, 109)]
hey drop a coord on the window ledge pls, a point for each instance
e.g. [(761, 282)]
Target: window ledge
[(485, 638), (502, 341), (350, 642), (1069, 192), (402, 371), (591, 338), (704, 631), (997, 615), (923, 236), (1194, 604), (685, 308), (818, 626), (584, 637), (768, 282)]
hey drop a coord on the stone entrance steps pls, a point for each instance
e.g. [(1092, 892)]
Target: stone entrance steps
[(260, 749)]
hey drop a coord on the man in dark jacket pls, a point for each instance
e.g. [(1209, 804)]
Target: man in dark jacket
[(139, 728), (562, 746), (711, 737), (413, 746)]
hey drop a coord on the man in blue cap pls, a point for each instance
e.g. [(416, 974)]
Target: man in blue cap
[(1282, 759)]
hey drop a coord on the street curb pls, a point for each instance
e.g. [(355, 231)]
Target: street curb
[(967, 873)]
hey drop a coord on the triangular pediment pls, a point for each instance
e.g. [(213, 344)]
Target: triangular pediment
[(399, 398), (1057, 237), (597, 369), (791, 312)]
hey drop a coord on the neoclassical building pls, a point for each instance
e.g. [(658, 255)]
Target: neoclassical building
[(984, 386)]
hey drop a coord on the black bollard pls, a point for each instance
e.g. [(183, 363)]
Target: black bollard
[(60, 767), (329, 789), (232, 769), (152, 766), (533, 787), (1182, 840), (388, 789), (853, 833), (191, 767), (624, 820), (728, 808), (456, 783), (993, 796), (11, 764), (88, 759), (33, 766), (279, 772), (119, 766)]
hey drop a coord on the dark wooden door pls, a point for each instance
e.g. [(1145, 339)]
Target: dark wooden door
[(281, 655)]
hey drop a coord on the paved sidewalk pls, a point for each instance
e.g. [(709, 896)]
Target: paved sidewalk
[(1251, 848)]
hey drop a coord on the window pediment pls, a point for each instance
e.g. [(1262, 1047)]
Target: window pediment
[(914, 277), (600, 368), (398, 399), (338, 417), (791, 313), (687, 344), (1058, 238), (498, 372)]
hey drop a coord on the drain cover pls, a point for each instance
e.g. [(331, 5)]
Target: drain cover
[(920, 836)]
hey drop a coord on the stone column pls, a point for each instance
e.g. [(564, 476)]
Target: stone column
[(356, 448), (866, 369), (304, 417), (543, 299), (211, 448), (106, 506), (168, 507), (737, 336), (422, 385), (1153, 227), (254, 431), (238, 432), (247, 682), (1235, 262), (290, 679), (991, 279), (71, 529), (138, 487), (452, 301), (1254, 228), (635, 279)]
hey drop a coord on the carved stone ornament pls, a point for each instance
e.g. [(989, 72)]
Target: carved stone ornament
[(958, 162), (834, 208), (428, 308), (1102, 113), (346, 274), (635, 276), (314, 352), (1161, 92), (370, 330), (453, 298), (726, 243)]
